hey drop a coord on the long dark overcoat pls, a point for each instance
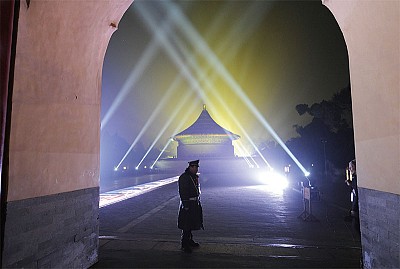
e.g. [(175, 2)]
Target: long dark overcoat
[(190, 216)]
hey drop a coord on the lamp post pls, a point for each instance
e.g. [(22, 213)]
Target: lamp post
[(324, 143)]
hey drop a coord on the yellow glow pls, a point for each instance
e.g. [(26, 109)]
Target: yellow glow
[(276, 64)]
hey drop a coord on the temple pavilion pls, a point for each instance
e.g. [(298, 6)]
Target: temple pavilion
[(205, 139)]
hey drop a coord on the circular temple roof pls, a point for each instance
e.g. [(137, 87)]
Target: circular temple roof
[(205, 126)]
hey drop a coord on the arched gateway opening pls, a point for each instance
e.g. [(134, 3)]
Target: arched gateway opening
[(50, 163), (271, 63)]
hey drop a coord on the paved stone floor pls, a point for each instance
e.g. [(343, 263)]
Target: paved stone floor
[(247, 225)]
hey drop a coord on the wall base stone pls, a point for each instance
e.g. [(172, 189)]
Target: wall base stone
[(380, 228), (55, 231)]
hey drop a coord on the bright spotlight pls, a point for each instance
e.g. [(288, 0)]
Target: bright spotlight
[(273, 180), (307, 173), (287, 169), (137, 168), (115, 168)]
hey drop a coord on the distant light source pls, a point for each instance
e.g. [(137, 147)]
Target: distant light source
[(274, 181), (287, 169), (306, 173)]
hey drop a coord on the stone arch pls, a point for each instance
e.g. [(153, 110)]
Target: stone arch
[(54, 129), (372, 33), (53, 172)]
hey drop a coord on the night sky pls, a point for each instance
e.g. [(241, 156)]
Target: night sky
[(278, 53)]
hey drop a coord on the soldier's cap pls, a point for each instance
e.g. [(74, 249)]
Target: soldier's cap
[(194, 163)]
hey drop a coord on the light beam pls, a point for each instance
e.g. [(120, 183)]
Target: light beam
[(167, 123), (184, 24), (178, 127)]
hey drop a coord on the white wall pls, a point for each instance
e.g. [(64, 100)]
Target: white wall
[(55, 121), (372, 34)]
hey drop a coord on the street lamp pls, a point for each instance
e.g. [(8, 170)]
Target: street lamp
[(323, 141)]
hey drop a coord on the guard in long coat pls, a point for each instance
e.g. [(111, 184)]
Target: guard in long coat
[(190, 215)]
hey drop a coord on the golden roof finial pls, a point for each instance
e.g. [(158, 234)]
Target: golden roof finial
[(204, 107)]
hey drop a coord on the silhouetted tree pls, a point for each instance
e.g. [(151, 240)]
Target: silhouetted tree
[(331, 127)]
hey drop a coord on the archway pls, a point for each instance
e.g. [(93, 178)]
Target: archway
[(281, 75), (151, 105), (53, 158)]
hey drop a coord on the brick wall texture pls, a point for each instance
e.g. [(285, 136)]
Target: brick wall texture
[(55, 231), (380, 228)]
